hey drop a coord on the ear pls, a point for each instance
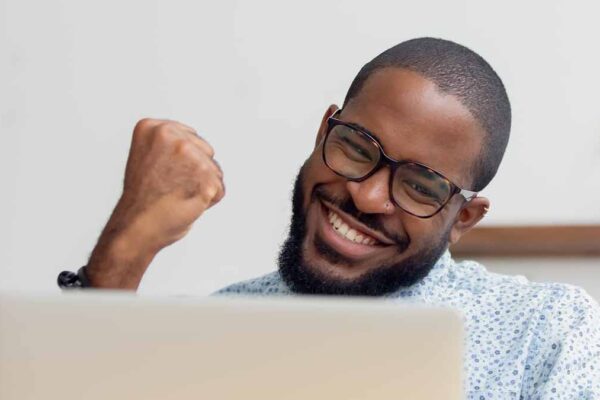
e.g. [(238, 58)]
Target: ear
[(469, 215), (323, 127)]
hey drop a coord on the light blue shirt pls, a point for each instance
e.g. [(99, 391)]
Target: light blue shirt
[(525, 340)]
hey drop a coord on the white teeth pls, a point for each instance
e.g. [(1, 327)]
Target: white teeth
[(351, 234), (337, 222), (345, 231)]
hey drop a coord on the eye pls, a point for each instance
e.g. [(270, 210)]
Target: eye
[(357, 149), (421, 189), (422, 193)]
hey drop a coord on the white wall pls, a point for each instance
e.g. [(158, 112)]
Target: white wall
[(255, 77)]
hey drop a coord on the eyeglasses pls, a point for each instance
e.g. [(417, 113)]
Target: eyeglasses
[(355, 154)]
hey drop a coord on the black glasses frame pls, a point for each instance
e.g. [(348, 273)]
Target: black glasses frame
[(385, 160)]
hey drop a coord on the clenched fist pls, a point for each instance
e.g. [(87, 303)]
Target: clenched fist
[(171, 178)]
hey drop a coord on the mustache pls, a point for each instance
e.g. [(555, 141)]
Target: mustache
[(372, 221)]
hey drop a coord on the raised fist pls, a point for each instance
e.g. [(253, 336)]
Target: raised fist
[(171, 178)]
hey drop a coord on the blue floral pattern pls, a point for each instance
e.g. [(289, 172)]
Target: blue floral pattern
[(525, 340)]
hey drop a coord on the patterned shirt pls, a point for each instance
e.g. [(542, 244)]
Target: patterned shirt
[(524, 340)]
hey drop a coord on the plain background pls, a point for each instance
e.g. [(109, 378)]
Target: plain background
[(254, 78)]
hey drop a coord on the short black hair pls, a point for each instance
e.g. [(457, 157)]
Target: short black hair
[(461, 72)]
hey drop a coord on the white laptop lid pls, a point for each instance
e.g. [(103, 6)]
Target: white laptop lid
[(115, 346)]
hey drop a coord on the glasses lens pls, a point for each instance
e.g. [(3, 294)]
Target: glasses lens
[(419, 190), (350, 153)]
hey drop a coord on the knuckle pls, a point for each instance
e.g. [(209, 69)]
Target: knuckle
[(210, 192), (143, 124), (219, 184), (184, 148), (162, 129), (221, 193), (163, 133)]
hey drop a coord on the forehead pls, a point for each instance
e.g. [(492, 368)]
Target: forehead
[(414, 121)]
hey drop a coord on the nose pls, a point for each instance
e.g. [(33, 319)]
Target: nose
[(372, 196)]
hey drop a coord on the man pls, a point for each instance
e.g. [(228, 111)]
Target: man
[(392, 181)]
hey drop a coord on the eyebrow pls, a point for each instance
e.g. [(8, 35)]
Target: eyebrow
[(362, 128)]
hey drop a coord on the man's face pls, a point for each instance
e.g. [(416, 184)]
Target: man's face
[(412, 121)]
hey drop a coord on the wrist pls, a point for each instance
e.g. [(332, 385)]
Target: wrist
[(120, 260)]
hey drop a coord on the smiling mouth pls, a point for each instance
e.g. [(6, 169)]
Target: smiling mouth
[(344, 230), (347, 237)]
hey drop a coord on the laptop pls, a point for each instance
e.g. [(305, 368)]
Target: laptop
[(106, 345)]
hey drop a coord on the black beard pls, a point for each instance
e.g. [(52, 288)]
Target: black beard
[(386, 278)]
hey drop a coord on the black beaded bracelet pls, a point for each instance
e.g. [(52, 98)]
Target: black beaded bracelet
[(72, 280)]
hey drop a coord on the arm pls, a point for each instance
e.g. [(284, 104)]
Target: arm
[(171, 178)]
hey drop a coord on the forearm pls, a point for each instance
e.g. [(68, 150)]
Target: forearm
[(120, 258)]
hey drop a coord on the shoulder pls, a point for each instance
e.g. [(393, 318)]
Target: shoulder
[(471, 282), (572, 307), (475, 277), (267, 285)]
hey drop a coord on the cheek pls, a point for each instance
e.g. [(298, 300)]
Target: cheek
[(439, 224), (314, 165), (317, 173), (423, 232)]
